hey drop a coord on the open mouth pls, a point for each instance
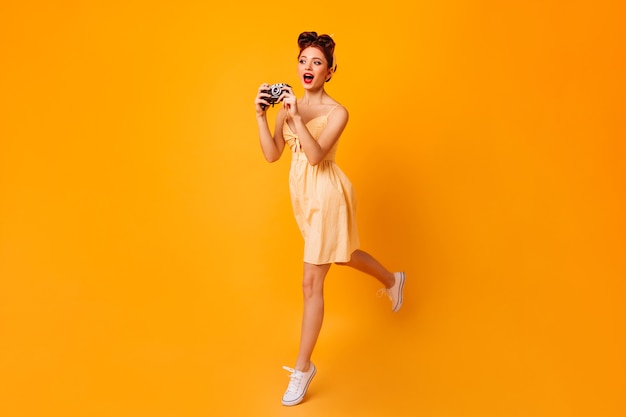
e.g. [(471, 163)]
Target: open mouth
[(308, 78)]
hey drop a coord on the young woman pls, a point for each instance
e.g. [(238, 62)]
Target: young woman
[(322, 196)]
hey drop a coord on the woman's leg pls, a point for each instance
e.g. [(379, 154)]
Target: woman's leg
[(393, 282), (365, 262), (313, 292)]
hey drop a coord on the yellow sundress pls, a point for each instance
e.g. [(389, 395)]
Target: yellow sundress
[(323, 200)]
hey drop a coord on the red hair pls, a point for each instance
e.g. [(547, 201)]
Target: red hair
[(324, 43)]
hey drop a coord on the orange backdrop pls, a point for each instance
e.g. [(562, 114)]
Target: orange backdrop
[(150, 264)]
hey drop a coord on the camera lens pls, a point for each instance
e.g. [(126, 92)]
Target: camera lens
[(276, 90)]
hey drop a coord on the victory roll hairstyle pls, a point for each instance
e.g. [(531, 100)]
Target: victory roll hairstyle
[(324, 43)]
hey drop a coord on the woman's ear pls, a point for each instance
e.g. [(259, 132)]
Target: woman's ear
[(331, 71)]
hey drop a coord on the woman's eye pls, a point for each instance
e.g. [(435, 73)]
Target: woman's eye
[(317, 62), (302, 61)]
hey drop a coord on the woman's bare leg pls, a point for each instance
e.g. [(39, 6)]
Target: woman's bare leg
[(312, 317), (365, 262)]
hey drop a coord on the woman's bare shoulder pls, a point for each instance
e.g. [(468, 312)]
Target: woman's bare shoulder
[(338, 109)]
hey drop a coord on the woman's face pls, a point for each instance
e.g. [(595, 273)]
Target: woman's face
[(313, 68)]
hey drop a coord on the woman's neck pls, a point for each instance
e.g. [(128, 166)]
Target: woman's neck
[(314, 97)]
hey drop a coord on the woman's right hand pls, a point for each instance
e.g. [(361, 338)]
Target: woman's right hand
[(260, 102)]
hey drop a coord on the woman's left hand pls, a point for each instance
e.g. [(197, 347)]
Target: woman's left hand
[(290, 103)]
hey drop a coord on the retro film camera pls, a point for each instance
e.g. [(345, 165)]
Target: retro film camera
[(274, 90)]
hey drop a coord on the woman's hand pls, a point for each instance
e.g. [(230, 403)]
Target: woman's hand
[(260, 102), (290, 103)]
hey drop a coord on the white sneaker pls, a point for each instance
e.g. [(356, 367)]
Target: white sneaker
[(395, 293), (298, 383)]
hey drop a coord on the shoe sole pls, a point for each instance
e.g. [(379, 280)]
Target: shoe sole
[(306, 388), (400, 293)]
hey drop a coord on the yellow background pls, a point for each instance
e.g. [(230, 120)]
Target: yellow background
[(150, 264)]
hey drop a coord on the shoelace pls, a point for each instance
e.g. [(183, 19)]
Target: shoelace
[(384, 291), (294, 379)]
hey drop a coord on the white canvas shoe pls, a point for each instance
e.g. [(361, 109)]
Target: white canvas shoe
[(395, 292), (298, 384)]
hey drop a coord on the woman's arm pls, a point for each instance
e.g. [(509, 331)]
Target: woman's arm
[(316, 150), (271, 145)]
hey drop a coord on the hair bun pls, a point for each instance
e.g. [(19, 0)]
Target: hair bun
[(306, 38), (326, 42)]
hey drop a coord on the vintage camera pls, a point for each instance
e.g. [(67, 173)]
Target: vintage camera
[(274, 90)]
